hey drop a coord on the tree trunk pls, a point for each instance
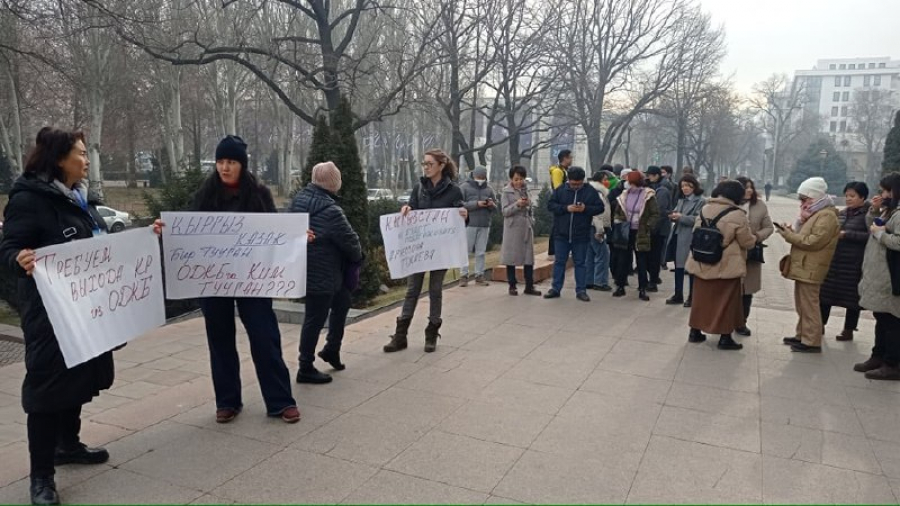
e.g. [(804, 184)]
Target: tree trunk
[(97, 105)]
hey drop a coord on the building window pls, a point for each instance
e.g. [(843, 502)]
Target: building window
[(852, 66), (843, 126), (881, 65), (871, 65), (846, 80), (843, 66), (837, 96), (832, 66), (845, 97), (834, 111), (867, 80), (877, 81), (837, 81), (833, 127), (843, 110)]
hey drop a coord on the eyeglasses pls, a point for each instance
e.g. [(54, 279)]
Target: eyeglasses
[(429, 164)]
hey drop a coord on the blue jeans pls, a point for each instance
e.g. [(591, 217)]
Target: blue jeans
[(579, 250), (265, 349), (477, 239), (597, 264)]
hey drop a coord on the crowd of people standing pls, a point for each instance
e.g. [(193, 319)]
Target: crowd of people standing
[(619, 222)]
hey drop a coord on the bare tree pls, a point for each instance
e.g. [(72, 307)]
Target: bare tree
[(780, 102), (870, 119), (11, 140)]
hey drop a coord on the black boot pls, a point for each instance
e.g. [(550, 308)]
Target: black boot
[(80, 454), (43, 491), (398, 340), (695, 336), (309, 374), (727, 343), (642, 294), (620, 292), (333, 358), (431, 336), (675, 299)]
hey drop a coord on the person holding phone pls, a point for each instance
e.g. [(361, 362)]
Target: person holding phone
[(879, 288), (762, 228), (813, 239), (573, 206), (518, 231), (479, 202)]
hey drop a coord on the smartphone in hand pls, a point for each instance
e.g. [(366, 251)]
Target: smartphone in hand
[(779, 226)]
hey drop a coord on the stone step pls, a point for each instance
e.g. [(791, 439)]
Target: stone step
[(543, 269)]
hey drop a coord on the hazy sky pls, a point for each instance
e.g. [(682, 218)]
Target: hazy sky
[(767, 36)]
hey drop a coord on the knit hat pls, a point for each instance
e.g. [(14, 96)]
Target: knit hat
[(634, 177), (234, 148), (575, 174), (814, 188), (327, 176), (479, 173)]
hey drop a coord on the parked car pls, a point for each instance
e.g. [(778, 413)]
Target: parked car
[(116, 221), (380, 193)]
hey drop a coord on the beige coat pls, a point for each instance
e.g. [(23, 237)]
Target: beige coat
[(762, 228), (518, 233), (603, 220), (736, 236), (875, 286), (813, 246)]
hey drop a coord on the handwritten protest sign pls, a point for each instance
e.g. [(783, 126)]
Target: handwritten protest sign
[(425, 240), (235, 255), (102, 292)]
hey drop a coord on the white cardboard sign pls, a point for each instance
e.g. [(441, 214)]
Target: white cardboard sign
[(424, 240), (102, 292), (235, 254)]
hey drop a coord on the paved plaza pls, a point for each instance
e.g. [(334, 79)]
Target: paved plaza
[(525, 400)]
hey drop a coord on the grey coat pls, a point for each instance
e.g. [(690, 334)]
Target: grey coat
[(518, 234), (666, 202), (875, 286), (683, 230), (762, 228), (472, 194)]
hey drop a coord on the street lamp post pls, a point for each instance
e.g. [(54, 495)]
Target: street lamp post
[(823, 155)]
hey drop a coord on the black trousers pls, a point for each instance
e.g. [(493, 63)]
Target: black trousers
[(887, 338), (850, 322), (46, 432), (529, 276), (657, 244), (320, 308), (623, 263)]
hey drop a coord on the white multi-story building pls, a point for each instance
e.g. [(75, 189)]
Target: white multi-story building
[(830, 88)]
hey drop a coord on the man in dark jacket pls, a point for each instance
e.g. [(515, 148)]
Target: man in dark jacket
[(479, 202), (573, 206), (666, 202), (335, 251)]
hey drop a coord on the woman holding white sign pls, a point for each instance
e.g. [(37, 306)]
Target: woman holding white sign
[(333, 264), (435, 190), (232, 188), (49, 204)]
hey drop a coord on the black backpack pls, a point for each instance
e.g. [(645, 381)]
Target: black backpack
[(706, 240)]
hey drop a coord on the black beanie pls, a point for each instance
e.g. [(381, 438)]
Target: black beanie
[(232, 147)]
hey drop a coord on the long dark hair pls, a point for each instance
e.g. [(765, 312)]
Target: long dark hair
[(891, 183), (51, 146), (212, 195), (745, 181)]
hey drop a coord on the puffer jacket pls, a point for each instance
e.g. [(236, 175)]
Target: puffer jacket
[(426, 195), (813, 246), (603, 220), (336, 244), (736, 237), (648, 220), (574, 227), (38, 215), (841, 284), (474, 192)]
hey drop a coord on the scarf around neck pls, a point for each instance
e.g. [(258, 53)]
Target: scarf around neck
[(811, 207)]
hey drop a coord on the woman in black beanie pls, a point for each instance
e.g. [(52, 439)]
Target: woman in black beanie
[(232, 188)]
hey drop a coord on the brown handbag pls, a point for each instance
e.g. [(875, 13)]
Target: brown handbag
[(785, 265)]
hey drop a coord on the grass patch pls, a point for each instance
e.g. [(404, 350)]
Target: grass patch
[(8, 316)]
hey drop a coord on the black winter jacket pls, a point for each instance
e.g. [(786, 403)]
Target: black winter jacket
[(336, 244), (426, 195), (841, 285), (574, 227), (38, 215)]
